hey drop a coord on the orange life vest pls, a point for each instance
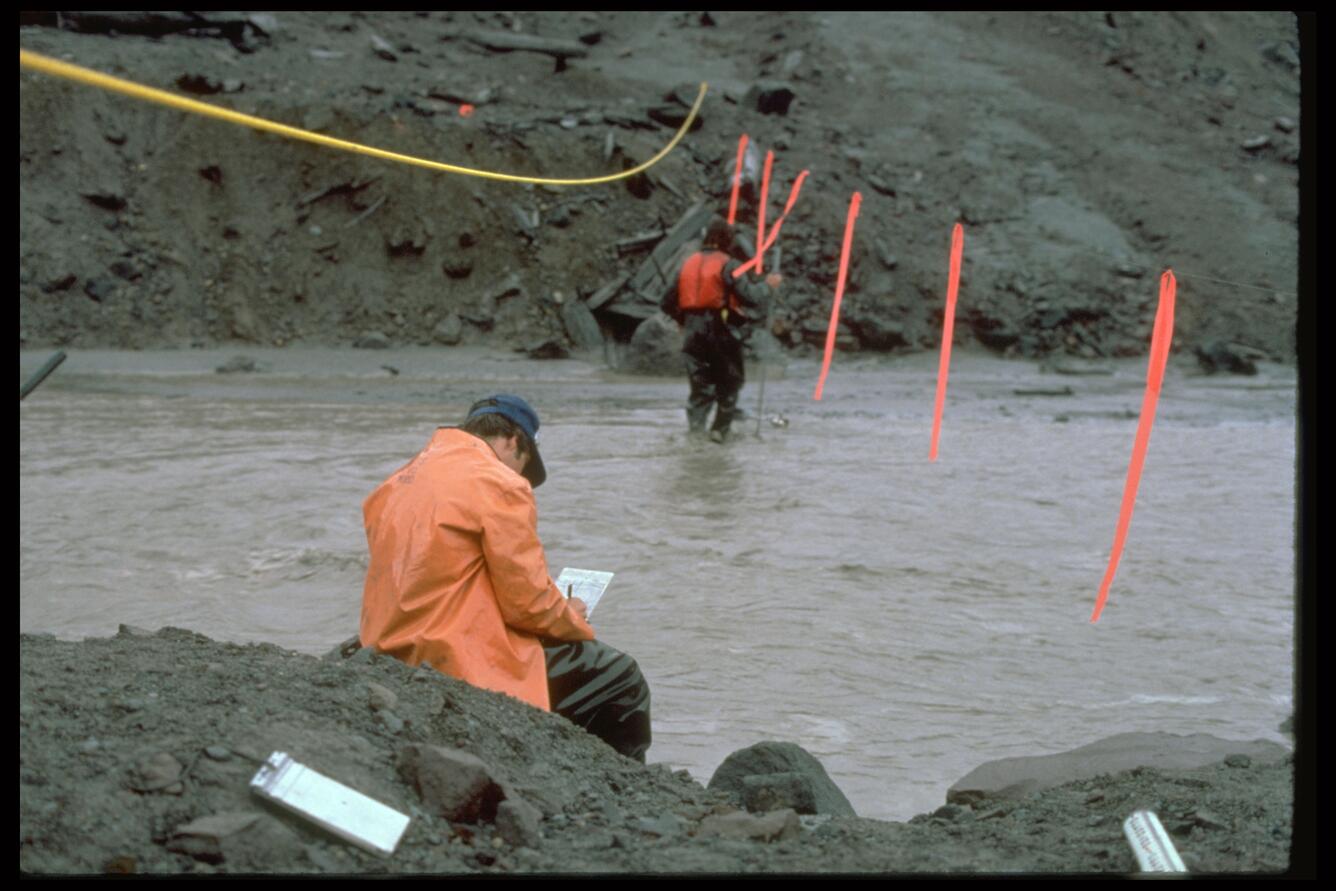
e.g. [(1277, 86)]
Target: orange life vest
[(700, 284)]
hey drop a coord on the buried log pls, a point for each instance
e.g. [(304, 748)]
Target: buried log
[(1059, 391), (502, 41)]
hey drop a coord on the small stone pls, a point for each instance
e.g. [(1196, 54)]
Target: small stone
[(1238, 761), (517, 822), (97, 290), (1285, 125), (90, 745), (392, 722), (948, 812), (383, 49), (122, 865), (773, 791), (218, 753), (448, 330), (453, 784), (776, 825), (60, 283), (560, 217), (237, 364), (372, 340), (219, 825), (157, 772), (667, 825), (381, 699), (1257, 143)]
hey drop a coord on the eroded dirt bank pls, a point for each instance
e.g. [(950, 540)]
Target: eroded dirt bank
[(1084, 152)]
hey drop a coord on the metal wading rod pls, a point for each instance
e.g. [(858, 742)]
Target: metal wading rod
[(760, 397), (41, 375)]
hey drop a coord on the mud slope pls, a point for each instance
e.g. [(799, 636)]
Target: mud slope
[(1084, 152)]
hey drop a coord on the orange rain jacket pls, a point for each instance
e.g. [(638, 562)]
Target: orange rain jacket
[(457, 576)]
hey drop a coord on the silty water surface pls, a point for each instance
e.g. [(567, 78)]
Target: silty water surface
[(822, 583)]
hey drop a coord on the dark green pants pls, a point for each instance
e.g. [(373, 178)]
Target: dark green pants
[(602, 690), (716, 379)]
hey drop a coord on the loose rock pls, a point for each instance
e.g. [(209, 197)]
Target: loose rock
[(372, 340), (453, 784), (774, 826), (768, 758)]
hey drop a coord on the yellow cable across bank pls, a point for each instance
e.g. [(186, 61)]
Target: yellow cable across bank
[(55, 67)]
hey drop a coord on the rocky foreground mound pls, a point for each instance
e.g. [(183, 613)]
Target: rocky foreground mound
[(135, 755)]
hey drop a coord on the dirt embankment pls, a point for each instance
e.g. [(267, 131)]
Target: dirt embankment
[(135, 754), (1083, 152)]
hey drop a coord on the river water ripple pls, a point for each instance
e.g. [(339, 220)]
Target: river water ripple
[(820, 583)]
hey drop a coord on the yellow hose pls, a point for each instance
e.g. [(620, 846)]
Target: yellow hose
[(47, 65)]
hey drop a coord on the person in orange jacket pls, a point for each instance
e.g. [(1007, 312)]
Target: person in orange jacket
[(718, 310), (458, 580)]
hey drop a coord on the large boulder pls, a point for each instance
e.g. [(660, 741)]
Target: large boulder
[(1010, 778), (581, 326), (1235, 358), (655, 348), (783, 774), (457, 785)]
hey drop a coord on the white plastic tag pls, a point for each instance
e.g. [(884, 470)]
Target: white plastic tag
[(1154, 850), (345, 812)]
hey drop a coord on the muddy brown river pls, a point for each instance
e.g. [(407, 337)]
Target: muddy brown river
[(820, 583)]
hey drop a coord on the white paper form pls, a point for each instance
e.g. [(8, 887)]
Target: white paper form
[(587, 584)]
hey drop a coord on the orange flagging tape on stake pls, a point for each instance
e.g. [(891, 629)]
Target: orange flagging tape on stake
[(1159, 356), (760, 211), (774, 230), (839, 292), (737, 180), (948, 328)]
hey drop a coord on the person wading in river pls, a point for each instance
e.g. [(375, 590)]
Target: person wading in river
[(718, 312), (458, 580)]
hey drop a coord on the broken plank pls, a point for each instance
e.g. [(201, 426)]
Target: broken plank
[(687, 228), (605, 293), (366, 213)]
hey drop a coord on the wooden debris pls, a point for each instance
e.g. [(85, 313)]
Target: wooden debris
[(638, 242), (639, 298), (382, 48), (606, 292), (366, 213)]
